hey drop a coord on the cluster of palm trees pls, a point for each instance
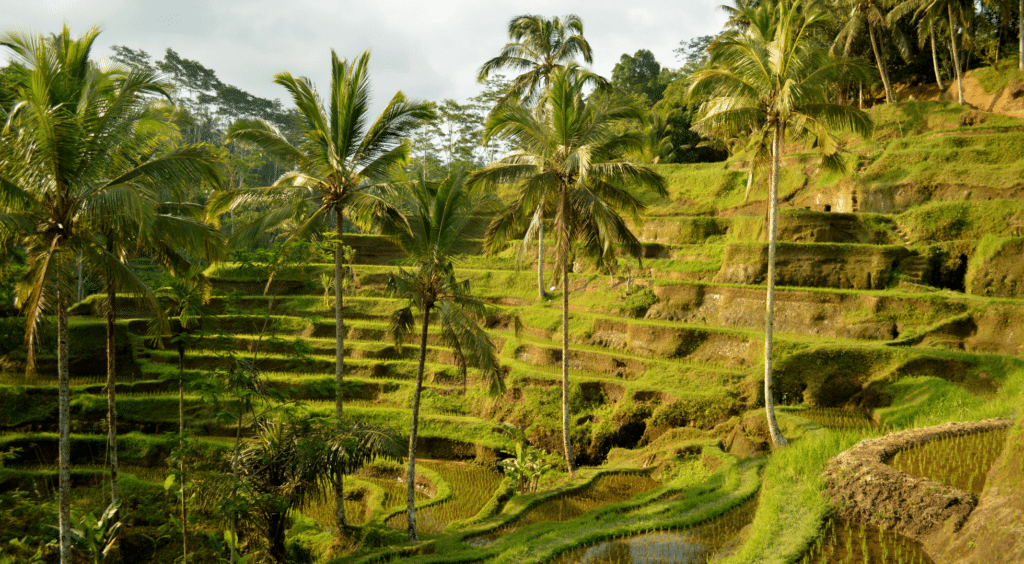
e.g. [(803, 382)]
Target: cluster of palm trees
[(91, 171)]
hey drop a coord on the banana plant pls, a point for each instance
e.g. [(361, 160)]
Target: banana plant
[(97, 538)]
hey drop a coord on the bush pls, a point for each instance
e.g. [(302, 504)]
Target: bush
[(638, 301)]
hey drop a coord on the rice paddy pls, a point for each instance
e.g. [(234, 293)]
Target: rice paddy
[(839, 418), (692, 545), (959, 462), (609, 488), (843, 542), (472, 486)]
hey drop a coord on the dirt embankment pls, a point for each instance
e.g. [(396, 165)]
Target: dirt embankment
[(862, 487)]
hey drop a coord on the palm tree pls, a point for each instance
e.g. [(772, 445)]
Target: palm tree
[(337, 169), (186, 299), (955, 11), (539, 46), (774, 79), (80, 150), (869, 15), (570, 154), (929, 16), (172, 240), (293, 462), (440, 218)]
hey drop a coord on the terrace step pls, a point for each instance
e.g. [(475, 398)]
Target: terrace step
[(915, 268)]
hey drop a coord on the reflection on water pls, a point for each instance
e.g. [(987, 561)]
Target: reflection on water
[(666, 547), (692, 545), (609, 488)]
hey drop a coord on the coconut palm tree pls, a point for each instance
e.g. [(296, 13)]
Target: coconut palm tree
[(337, 168), (440, 216), (774, 79), (571, 155), (539, 46), (928, 16), (955, 12), (80, 150), (186, 299), (172, 240), (870, 16)]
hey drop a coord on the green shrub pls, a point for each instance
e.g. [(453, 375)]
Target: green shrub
[(638, 301)]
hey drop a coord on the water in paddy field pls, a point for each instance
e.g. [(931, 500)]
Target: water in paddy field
[(960, 462), (472, 486), (609, 488), (843, 542), (692, 545)]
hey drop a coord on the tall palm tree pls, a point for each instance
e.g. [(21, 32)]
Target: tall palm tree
[(774, 79), (440, 218), (928, 16), (80, 151), (955, 12), (571, 154), (870, 16), (185, 298), (170, 237), (538, 46), (337, 168)]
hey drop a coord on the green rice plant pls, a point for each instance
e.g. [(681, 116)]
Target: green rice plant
[(841, 541), (472, 486), (960, 462)]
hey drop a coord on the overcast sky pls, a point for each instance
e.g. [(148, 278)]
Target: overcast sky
[(429, 50)]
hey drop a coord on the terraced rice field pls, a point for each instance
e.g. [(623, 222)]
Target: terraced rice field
[(692, 545), (960, 462), (608, 488), (843, 542)]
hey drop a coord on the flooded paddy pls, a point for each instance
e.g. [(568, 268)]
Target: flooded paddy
[(960, 462), (843, 542), (691, 545), (607, 489), (472, 486)]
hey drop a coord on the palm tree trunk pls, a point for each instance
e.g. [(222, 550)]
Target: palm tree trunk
[(566, 441), (956, 55), (750, 180), (889, 96), (778, 440), (115, 490), (181, 452), (540, 253), (339, 365), (935, 56), (414, 427), (64, 443), (234, 481)]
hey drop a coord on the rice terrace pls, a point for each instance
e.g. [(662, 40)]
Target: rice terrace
[(765, 307)]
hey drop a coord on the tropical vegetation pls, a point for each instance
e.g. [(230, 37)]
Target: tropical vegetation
[(194, 281)]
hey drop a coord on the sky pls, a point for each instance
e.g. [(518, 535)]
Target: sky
[(429, 50)]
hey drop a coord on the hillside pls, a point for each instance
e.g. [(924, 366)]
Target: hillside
[(901, 306)]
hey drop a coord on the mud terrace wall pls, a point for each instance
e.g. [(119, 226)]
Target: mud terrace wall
[(821, 265), (862, 487)]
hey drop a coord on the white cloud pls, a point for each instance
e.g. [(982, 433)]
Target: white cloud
[(430, 50)]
